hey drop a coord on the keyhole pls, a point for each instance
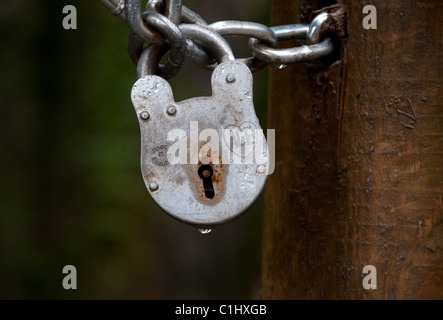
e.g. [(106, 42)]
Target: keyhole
[(205, 172)]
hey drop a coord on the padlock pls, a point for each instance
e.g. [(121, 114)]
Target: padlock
[(204, 160)]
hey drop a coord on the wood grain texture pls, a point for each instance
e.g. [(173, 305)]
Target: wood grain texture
[(359, 160)]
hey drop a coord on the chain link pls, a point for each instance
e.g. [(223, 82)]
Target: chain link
[(249, 29), (167, 25), (174, 39), (311, 33)]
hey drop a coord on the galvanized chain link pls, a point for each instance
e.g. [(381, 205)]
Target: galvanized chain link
[(311, 33), (167, 25)]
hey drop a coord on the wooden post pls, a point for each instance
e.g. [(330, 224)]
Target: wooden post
[(359, 160)]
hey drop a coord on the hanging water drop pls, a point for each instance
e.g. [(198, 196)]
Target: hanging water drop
[(281, 66), (204, 231)]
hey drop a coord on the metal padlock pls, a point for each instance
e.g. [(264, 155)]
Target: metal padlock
[(184, 172)]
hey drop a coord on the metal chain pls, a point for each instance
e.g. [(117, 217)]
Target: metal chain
[(311, 33), (168, 25)]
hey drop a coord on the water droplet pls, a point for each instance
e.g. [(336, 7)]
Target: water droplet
[(204, 231), (281, 66), (157, 86)]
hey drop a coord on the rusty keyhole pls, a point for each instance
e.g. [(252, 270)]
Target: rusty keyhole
[(206, 172)]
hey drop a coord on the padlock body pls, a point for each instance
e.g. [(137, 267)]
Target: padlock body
[(177, 138)]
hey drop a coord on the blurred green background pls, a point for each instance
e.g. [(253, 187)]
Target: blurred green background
[(72, 191)]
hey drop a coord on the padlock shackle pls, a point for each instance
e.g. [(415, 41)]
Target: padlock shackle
[(209, 40), (148, 62)]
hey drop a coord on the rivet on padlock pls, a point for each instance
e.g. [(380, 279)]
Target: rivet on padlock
[(205, 159)]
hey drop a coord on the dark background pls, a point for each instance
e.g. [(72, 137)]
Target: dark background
[(72, 191)]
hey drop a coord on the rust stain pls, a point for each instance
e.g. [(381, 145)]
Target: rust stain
[(218, 182), (239, 117)]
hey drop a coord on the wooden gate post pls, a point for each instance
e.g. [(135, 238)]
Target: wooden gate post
[(359, 159)]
